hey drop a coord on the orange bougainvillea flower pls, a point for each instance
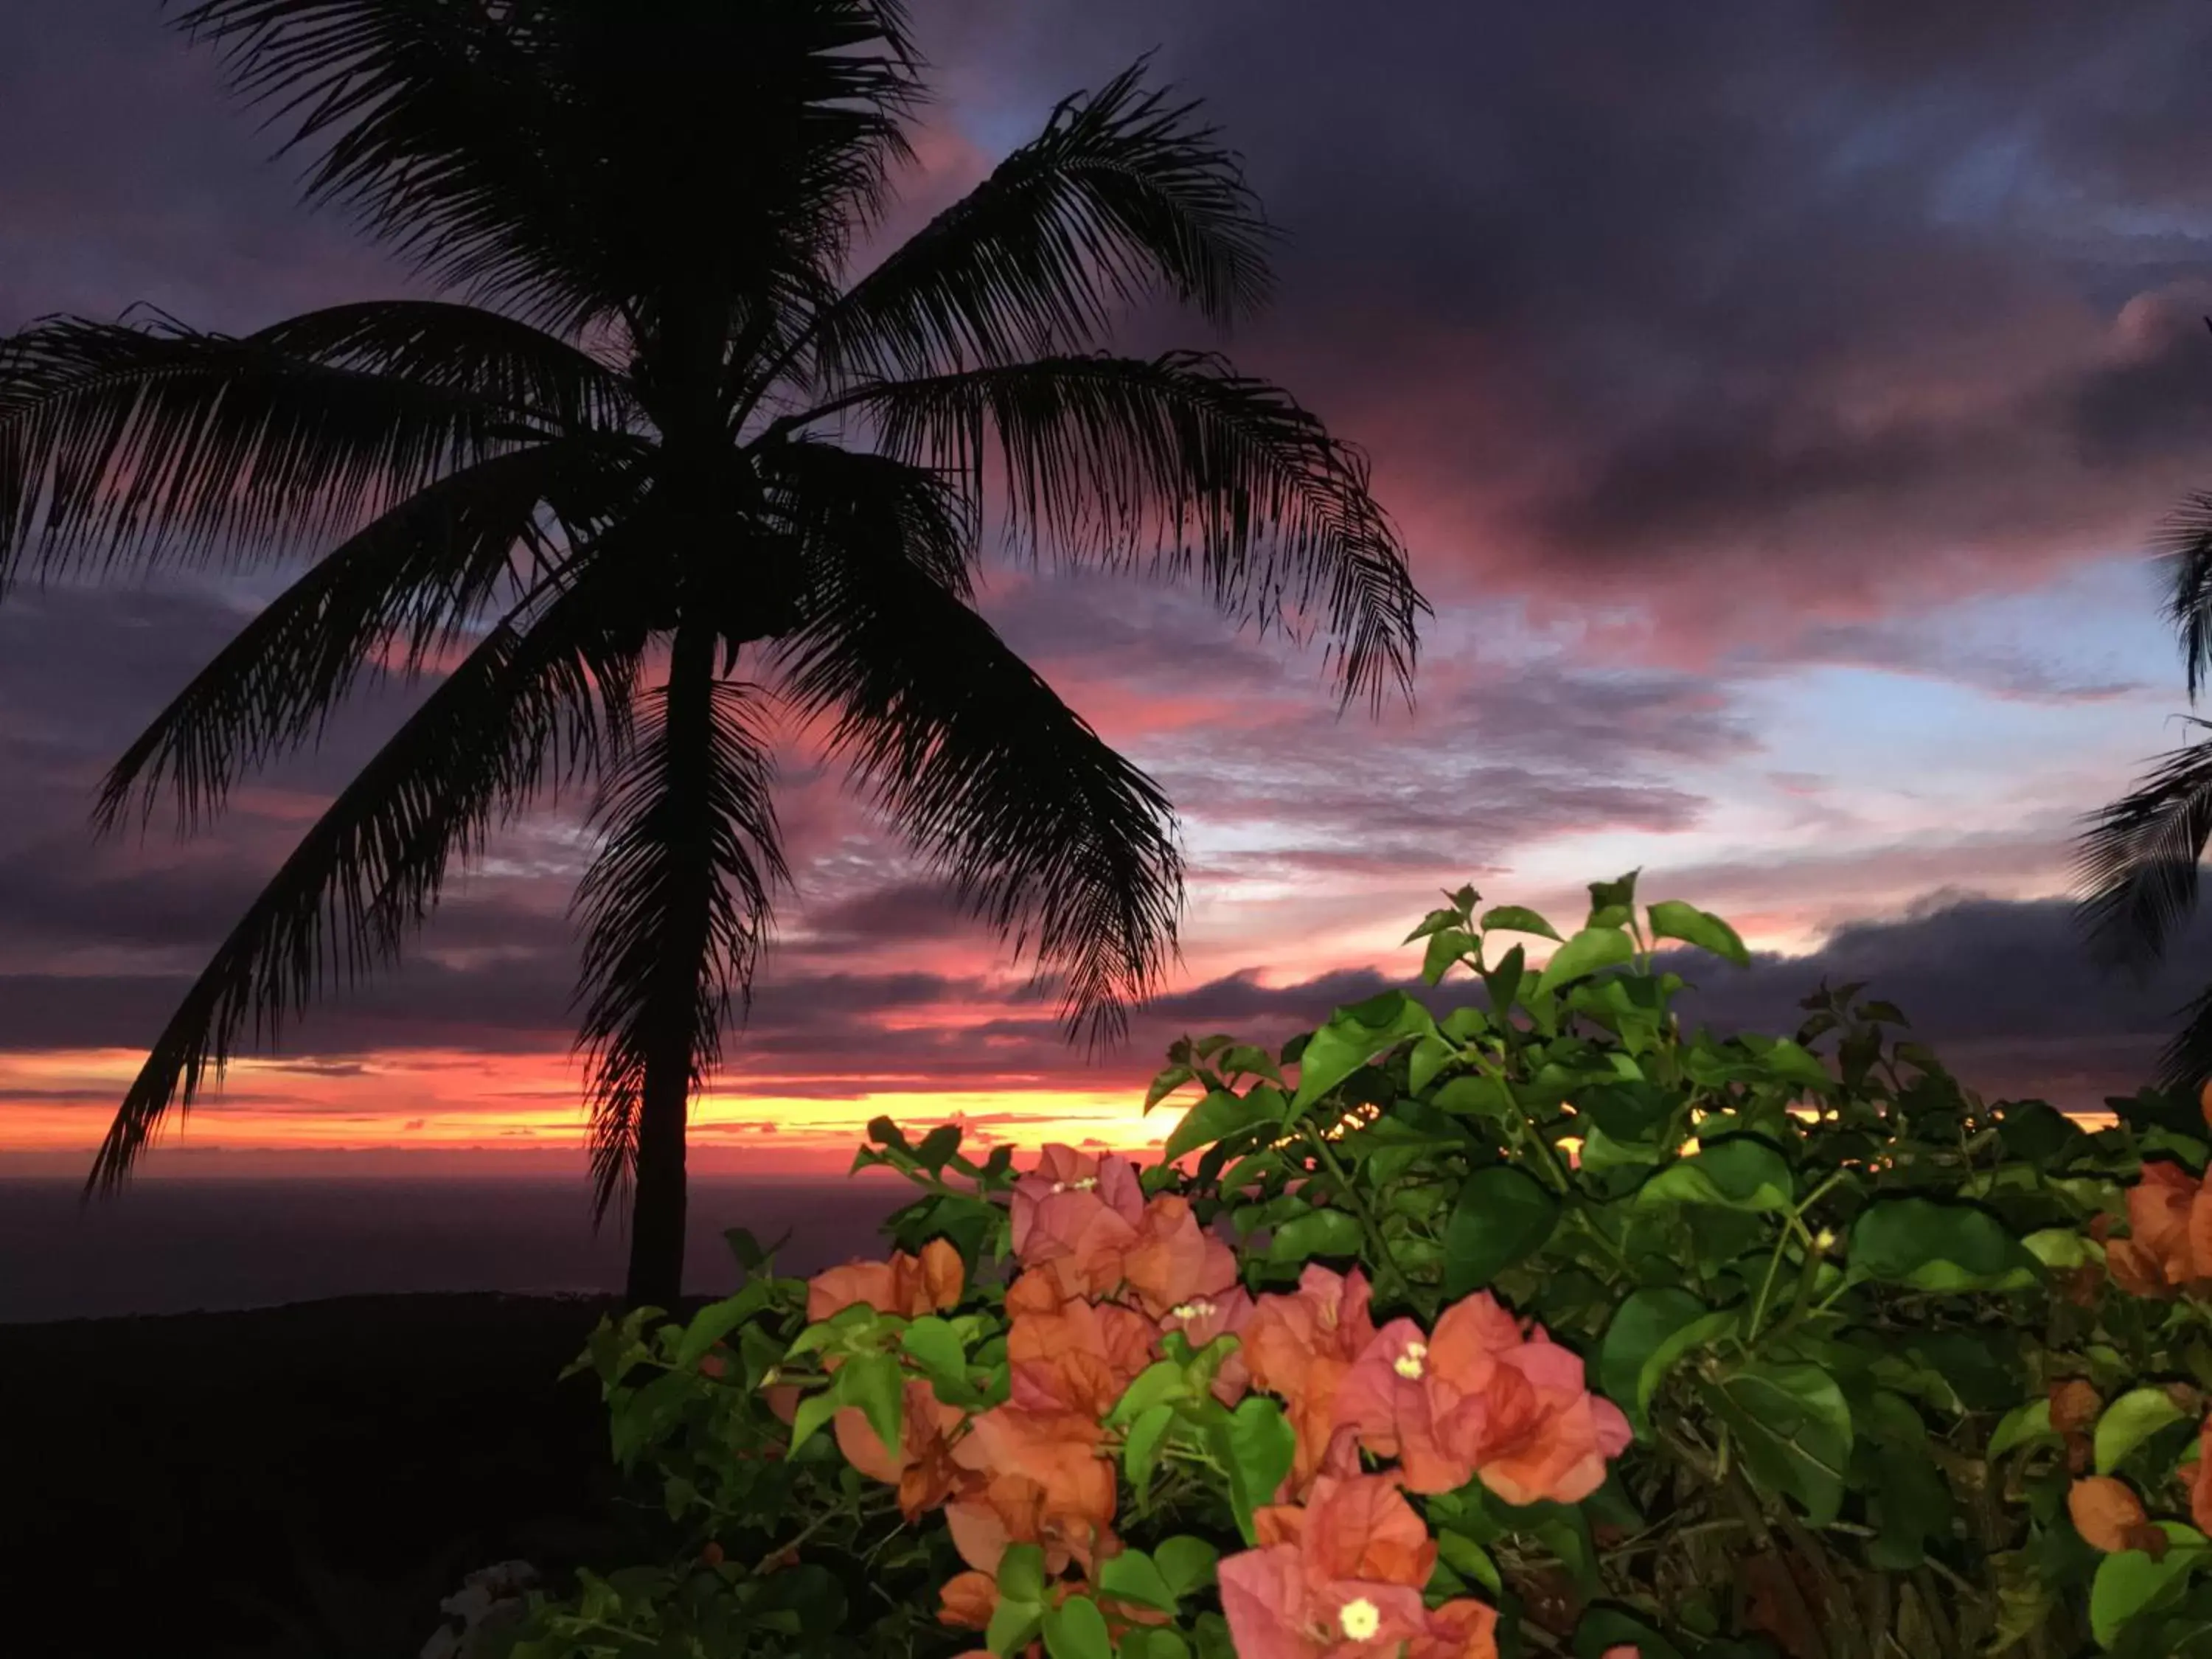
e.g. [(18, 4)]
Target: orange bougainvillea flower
[(1078, 1215), (1340, 1577), (1069, 1354), (905, 1287), (1204, 1318), (1468, 1630), (968, 1601), (1300, 1347), (2110, 1516), (923, 1471), (1174, 1261), (1040, 1479), (2170, 1232), (2074, 1408), (1482, 1397)]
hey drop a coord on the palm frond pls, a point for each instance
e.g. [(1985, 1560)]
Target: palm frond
[(677, 902), (558, 154), (537, 378), (2185, 1065), (2135, 863), (542, 701), (1121, 195), (1042, 830), (1181, 460), (412, 584), (2185, 545), (142, 442)]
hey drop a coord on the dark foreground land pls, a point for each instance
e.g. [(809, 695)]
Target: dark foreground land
[(304, 1480)]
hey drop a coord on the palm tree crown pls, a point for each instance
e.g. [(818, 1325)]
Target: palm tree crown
[(2136, 859), (660, 433)]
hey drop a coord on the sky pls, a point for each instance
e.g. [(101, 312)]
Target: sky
[(1776, 398)]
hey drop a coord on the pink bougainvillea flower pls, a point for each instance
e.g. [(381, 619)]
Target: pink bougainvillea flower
[(1204, 1318), (1468, 1630), (923, 1471), (1070, 1354), (1174, 1261), (905, 1287), (1078, 1215), (1340, 1577), (1299, 1346), (2166, 1221), (1391, 1383), (1482, 1397), (1043, 1479)]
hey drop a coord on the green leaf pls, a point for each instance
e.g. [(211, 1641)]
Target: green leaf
[(1671, 919), (1736, 1172), (1014, 1624), (935, 1348), (2128, 1421), (711, 1324), (1585, 953), (814, 1410), (1475, 1095), (2060, 1248), (1445, 948), (1322, 1232), (1153, 1641), (1135, 1576), (1651, 1331), (1610, 896), (874, 1382), (1431, 1054), (1466, 1557), (2022, 1425), (1140, 1448), (1504, 1216), (1932, 1245), (1432, 924), (1256, 1444), (1793, 1428), (1504, 981), (1354, 1037), (1186, 1563), (1249, 1060), (1021, 1573), (1512, 919), (1159, 1381), (1166, 1083), (2129, 1582), (1218, 1116), (1793, 1064)]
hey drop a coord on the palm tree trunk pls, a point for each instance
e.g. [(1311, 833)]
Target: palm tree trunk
[(656, 1235)]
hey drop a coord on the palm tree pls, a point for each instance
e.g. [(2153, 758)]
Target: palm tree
[(660, 432), (2136, 861)]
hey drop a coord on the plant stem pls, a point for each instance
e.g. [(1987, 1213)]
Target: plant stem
[(1375, 1242)]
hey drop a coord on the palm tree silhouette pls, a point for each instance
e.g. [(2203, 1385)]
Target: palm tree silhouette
[(661, 431), (2136, 861)]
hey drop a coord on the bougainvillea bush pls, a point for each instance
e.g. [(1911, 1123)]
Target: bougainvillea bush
[(1542, 1326)]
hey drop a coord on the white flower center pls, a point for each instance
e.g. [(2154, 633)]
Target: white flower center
[(1201, 1309), (1408, 1363), (1087, 1184), (1360, 1620)]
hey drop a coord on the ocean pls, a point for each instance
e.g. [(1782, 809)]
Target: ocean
[(176, 1246)]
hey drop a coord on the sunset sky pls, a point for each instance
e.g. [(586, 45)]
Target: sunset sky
[(1776, 397)]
